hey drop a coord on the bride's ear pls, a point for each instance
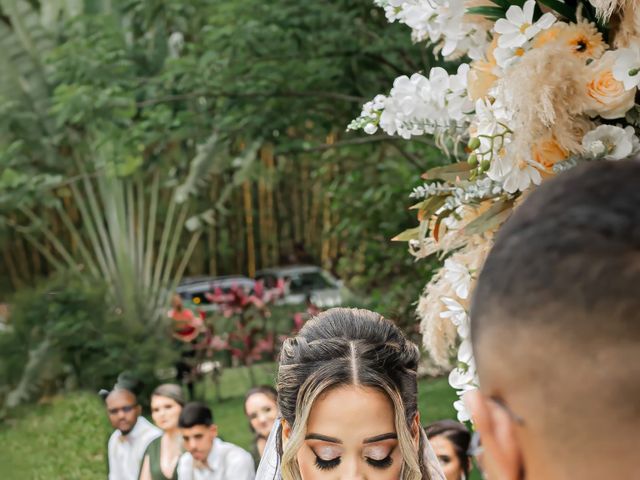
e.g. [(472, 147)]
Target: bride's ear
[(286, 432), (415, 430)]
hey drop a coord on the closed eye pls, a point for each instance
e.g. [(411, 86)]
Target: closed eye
[(327, 464), (384, 463)]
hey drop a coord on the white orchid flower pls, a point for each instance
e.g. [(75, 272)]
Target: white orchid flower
[(626, 68), (518, 28), (611, 142)]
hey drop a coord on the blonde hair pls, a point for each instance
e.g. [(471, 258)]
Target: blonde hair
[(348, 347)]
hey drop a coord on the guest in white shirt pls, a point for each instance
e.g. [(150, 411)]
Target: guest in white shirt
[(133, 434), (208, 457)]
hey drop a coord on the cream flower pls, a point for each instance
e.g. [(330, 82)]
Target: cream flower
[(611, 142), (518, 28), (608, 96), (626, 68)]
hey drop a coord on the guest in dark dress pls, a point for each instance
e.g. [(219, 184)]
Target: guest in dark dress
[(161, 458)]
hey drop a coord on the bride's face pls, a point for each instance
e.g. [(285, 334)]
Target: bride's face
[(351, 434)]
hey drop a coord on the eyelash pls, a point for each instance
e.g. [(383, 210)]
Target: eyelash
[(327, 464), (330, 464)]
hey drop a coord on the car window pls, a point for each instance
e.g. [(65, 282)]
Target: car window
[(309, 281)]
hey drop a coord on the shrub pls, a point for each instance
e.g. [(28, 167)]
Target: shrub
[(65, 334)]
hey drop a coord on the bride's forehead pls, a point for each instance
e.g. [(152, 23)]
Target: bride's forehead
[(352, 411)]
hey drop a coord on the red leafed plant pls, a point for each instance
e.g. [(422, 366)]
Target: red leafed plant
[(250, 340)]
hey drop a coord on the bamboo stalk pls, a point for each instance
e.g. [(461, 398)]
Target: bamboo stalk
[(262, 223), (248, 211), (212, 231), (16, 281)]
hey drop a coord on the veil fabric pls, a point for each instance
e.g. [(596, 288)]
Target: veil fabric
[(269, 468)]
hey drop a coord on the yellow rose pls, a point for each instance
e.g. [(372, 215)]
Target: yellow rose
[(481, 78), (607, 96), (547, 152)]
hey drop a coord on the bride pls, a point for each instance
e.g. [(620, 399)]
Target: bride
[(347, 393)]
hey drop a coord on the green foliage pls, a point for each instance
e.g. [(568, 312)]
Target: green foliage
[(381, 269), (64, 334)]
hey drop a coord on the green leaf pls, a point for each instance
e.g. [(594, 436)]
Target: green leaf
[(492, 13), (407, 235), (503, 3), (430, 206), (560, 7), (493, 217), (449, 173)]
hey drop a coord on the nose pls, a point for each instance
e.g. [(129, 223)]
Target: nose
[(352, 470)]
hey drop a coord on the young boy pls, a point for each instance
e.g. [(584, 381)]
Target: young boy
[(208, 457)]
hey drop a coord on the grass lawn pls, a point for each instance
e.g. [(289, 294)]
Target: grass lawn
[(66, 438)]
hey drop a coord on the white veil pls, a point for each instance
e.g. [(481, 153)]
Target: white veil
[(269, 468)]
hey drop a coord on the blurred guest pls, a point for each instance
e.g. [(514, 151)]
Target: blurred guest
[(261, 408), (186, 328), (161, 458), (450, 441), (132, 436), (208, 457)]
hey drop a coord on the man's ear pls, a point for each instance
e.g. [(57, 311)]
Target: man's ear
[(497, 429), (214, 430)]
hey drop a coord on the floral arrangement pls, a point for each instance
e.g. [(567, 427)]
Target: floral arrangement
[(543, 86)]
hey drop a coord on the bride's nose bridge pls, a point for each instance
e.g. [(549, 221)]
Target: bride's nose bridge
[(354, 469)]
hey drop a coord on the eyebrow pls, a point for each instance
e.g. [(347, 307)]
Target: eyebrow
[(324, 438), (377, 438)]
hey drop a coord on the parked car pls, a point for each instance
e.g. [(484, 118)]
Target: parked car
[(305, 283), (195, 289)]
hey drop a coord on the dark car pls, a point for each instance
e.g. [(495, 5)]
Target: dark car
[(305, 283)]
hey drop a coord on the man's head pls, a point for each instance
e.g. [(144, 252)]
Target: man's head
[(556, 328), (197, 429), (123, 409)]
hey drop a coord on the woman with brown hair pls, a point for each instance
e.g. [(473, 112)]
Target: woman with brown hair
[(347, 392), (162, 455)]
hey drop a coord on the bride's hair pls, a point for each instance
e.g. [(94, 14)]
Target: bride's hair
[(348, 347)]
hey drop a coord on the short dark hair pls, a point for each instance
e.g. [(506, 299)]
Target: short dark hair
[(558, 294), (195, 413), (572, 248), (458, 435)]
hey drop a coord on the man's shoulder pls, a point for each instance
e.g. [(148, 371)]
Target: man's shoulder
[(113, 437), (185, 466), (235, 454)]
